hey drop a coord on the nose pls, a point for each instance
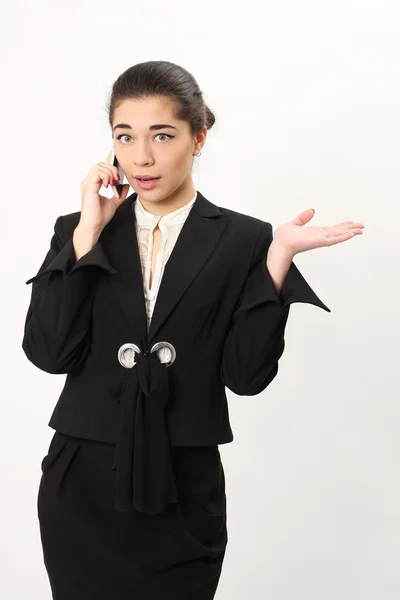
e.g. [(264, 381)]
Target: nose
[(142, 156)]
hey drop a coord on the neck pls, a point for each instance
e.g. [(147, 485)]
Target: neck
[(163, 206)]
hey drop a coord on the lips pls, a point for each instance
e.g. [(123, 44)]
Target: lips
[(149, 184)]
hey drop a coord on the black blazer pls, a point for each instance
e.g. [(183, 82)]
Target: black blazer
[(218, 307)]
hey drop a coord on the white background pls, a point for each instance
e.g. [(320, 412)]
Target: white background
[(307, 99)]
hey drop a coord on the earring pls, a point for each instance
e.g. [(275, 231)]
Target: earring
[(198, 153)]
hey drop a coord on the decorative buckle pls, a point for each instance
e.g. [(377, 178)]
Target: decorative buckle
[(158, 346), (126, 355)]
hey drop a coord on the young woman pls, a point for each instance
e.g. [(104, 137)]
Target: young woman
[(153, 304)]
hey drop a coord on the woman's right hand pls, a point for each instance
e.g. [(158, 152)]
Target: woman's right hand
[(98, 210)]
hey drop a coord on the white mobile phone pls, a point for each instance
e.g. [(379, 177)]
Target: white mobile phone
[(115, 163)]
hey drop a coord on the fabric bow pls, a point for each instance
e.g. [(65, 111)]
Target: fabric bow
[(145, 478)]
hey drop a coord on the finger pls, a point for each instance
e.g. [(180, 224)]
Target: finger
[(348, 224), (106, 176), (353, 224), (332, 231), (337, 239), (112, 169), (341, 228), (356, 225), (304, 217)]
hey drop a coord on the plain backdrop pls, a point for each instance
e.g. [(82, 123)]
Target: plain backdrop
[(306, 97)]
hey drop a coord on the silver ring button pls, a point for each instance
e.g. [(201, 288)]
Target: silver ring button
[(126, 355), (166, 352)]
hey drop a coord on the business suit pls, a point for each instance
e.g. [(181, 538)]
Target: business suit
[(217, 308)]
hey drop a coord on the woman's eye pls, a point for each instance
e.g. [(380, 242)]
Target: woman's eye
[(124, 135), (166, 134)]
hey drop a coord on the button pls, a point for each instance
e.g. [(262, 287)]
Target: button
[(150, 294), (166, 352), (126, 355)]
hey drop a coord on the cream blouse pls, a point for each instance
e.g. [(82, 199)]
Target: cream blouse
[(170, 226)]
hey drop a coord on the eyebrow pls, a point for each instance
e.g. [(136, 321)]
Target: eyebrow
[(151, 128)]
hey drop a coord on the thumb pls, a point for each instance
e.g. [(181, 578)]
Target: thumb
[(304, 217)]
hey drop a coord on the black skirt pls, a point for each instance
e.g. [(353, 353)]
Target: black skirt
[(94, 552)]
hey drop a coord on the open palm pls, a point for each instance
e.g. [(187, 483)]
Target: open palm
[(296, 238)]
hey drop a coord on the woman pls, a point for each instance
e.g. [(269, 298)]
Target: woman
[(152, 304)]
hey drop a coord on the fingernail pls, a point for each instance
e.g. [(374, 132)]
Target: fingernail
[(118, 177), (313, 209)]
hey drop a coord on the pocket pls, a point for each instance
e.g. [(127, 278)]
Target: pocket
[(57, 444), (55, 465), (209, 495), (201, 493)]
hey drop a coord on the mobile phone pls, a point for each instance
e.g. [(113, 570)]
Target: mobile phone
[(115, 163)]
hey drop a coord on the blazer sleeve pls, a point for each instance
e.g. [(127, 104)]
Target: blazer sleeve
[(255, 340), (58, 322)]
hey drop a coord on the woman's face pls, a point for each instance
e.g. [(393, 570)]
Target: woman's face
[(142, 151)]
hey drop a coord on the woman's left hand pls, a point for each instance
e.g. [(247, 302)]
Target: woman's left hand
[(294, 238)]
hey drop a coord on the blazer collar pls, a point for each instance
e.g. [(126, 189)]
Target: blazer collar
[(197, 240)]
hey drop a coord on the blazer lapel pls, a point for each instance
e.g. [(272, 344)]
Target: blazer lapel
[(120, 242), (197, 240)]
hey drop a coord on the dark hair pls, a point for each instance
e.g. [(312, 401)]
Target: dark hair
[(162, 78)]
